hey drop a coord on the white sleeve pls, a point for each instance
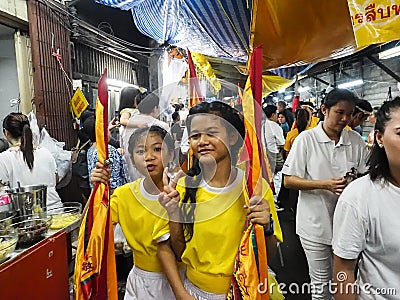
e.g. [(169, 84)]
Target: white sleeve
[(263, 140), (349, 227), (362, 164), (296, 162), (163, 238), (4, 174), (278, 132)]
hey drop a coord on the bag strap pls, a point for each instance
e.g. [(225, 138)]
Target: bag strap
[(83, 145), (77, 148)]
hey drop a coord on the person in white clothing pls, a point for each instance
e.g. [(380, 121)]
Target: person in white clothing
[(148, 111), (24, 164), (273, 138), (366, 222), (316, 165)]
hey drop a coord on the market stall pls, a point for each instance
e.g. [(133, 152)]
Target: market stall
[(36, 252)]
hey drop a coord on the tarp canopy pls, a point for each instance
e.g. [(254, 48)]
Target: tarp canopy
[(301, 31), (293, 33), (218, 28)]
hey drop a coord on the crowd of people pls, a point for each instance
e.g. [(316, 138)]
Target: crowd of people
[(321, 157), (343, 194)]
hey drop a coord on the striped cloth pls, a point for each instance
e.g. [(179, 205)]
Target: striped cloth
[(219, 28)]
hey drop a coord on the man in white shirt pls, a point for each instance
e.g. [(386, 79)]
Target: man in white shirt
[(272, 138)]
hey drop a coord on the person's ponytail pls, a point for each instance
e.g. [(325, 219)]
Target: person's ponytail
[(27, 145), (188, 205), (302, 119)]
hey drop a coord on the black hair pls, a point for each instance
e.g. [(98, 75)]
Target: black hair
[(269, 110), (89, 128), (146, 102), (361, 106), (140, 132), (86, 114), (320, 114), (18, 126), (283, 112), (194, 174), (175, 116), (302, 118), (4, 145), (378, 162), (281, 103), (127, 97), (337, 95)]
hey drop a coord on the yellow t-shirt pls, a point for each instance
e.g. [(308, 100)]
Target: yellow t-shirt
[(293, 134), (290, 137), (311, 123), (219, 223), (137, 212)]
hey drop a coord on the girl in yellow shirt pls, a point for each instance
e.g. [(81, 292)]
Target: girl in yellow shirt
[(207, 226), (135, 207)]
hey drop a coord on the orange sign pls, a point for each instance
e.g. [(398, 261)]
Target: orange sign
[(78, 103), (375, 21)]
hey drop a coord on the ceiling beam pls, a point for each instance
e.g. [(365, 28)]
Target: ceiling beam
[(323, 81), (384, 68)]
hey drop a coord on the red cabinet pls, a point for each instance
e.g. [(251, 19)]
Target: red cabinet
[(41, 272)]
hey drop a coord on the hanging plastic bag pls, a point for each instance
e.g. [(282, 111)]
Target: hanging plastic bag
[(61, 156), (34, 127)]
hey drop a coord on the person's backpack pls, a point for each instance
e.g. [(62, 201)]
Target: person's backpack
[(80, 165)]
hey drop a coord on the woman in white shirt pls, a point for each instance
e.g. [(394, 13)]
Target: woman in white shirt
[(366, 222), (316, 165), (24, 164)]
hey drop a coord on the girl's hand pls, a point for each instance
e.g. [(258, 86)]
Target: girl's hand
[(185, 296), (169, 199), (100, 174), (336, 185), (114, 123), (259, 211)]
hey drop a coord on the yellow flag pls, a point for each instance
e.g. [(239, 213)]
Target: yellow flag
[(78, 103), (95, 271)]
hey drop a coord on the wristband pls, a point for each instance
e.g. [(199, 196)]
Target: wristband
[(269, 231)]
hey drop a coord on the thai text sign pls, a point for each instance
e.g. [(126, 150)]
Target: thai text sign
[(375, 21), (78, 103)]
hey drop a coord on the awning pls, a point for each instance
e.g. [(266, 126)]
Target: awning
[(302, 31), (293, 33), (218, 28)]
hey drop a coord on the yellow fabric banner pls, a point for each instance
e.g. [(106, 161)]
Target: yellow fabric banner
[(204, 66), (95, 271), (273, 83), (375, 21)]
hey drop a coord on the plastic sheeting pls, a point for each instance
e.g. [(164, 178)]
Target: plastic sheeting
[(218, 28), (302, 31), (293, 33)]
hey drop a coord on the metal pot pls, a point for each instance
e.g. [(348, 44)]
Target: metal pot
[(29, 200)]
